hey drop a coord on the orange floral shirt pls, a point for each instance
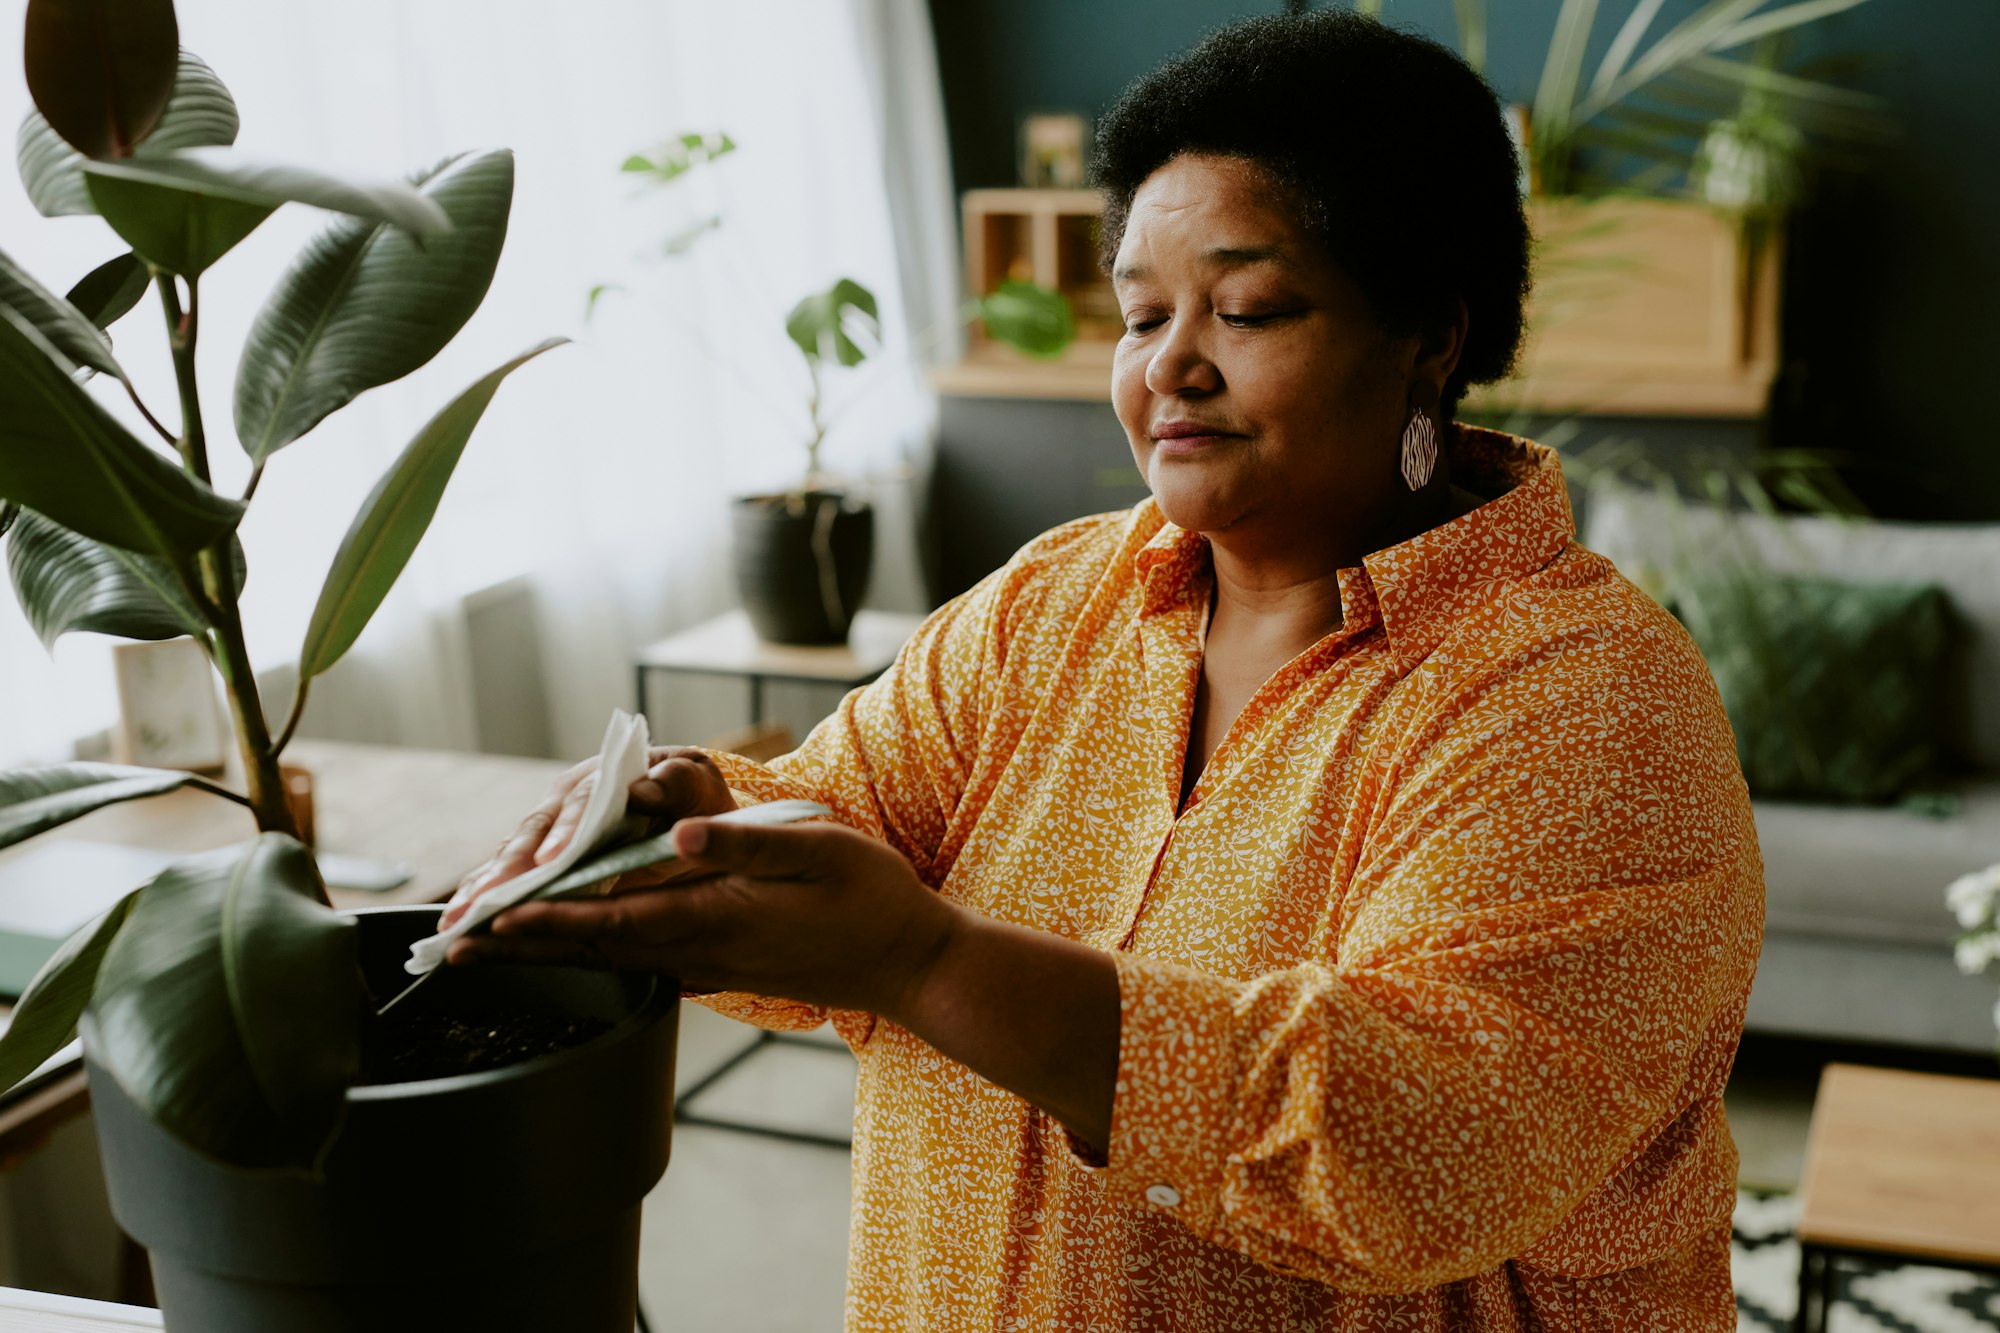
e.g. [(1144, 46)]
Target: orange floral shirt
[(1429, 993)]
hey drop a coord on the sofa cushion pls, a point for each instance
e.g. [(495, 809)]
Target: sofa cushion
[(1655, 541), (1831, 687), (1871, 873)]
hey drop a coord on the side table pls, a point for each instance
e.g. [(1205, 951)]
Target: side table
[(727, 646), (1900, 1167)]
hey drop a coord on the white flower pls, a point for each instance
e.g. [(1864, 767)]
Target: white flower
[(1974, 952), (1973, 898)]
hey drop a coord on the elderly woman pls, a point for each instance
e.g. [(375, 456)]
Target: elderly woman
[(1320, 897)]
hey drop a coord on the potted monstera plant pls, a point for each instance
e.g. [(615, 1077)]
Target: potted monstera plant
[(803, 555), (288, 1156)]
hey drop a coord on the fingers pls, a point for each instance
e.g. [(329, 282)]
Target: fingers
[(516, 856), (796, 852), (682, 781), (474, 949), (598, 921), (562, 827)]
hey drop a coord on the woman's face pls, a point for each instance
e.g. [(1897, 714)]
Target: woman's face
[(1263, 401)]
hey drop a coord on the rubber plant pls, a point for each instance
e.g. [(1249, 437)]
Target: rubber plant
[(225, 991)]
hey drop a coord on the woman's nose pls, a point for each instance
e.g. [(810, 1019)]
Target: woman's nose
[(1180, 366)]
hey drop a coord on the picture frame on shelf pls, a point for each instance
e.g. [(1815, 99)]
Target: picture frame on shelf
[(1053, 150), (168, 716)]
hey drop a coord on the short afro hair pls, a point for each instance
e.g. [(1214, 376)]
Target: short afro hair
[(1392, 149)]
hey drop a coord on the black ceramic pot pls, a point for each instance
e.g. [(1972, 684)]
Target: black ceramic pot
[(802, 563), (507, 1200)]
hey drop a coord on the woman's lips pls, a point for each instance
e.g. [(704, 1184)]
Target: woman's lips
[(1188, 437)]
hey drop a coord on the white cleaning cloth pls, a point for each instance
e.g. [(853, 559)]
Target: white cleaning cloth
[(620, 763)]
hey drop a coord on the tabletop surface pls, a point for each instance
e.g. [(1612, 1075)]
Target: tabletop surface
[(728, 644), (1904, 1163), (38, 1312), (442, 812)]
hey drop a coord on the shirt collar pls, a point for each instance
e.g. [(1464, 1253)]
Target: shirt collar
[(1436, 577), (1417, 588)]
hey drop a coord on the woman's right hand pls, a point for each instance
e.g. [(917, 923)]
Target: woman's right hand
[(680, 781)]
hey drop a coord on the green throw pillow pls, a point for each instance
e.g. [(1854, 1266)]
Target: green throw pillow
[(1830, 686)]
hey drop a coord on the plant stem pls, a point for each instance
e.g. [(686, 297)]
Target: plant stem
[(217, 789), (818, 426), (151, 420), (266, 789), (292, 722)]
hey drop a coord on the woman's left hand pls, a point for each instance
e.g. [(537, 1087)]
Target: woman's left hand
[(815, 913)]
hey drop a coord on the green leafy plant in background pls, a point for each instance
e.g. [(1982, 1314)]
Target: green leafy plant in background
[(841, 326), (225, 992), (1679, 98)]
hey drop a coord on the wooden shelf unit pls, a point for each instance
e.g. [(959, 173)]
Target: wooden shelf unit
[(1642, 307)]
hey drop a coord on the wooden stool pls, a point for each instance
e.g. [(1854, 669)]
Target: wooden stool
[(1899, 1167)]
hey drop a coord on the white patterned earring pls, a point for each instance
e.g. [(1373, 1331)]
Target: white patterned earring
[(1420, 450)]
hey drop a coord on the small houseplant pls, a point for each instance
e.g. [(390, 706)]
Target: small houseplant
[(803, 556), (227, 1010)]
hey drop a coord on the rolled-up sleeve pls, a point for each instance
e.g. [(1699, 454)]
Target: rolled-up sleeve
[(896, 758), (1558, 907)]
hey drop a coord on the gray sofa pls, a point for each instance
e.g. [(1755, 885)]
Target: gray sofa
[(1858, 942)]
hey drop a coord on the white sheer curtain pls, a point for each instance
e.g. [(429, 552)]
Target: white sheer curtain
[(603, 470)]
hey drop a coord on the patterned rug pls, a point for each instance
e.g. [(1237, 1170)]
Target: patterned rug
[(1895, 1299)]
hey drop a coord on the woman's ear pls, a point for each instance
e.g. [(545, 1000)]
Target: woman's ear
[(1440, 347)]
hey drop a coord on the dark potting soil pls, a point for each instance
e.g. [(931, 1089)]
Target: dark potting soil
[(403, 1048)]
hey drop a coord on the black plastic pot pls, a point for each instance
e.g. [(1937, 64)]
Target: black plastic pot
[(802, 563), (507, 1200)]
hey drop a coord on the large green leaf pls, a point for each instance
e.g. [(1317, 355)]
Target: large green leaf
[(109, 291), (393, 519), (200, 114), (220, 173), (68, 329), (366, 303), (9, 512), (44, 1019), (51, 171), (181, 231), (1034, 319), (229, 1007), (66, 582), (822, 324), (35, 800), (65, 456), (101, 71)]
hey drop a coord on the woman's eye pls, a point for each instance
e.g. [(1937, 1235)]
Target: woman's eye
[(1141, 323), (1244, 321)]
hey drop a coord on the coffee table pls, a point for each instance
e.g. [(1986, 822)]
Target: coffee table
[(1899, 1167)]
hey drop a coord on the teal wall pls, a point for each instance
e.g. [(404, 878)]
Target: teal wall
[(1893, 318)]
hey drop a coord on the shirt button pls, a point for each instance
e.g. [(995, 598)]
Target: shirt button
[(1166, 1196)]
